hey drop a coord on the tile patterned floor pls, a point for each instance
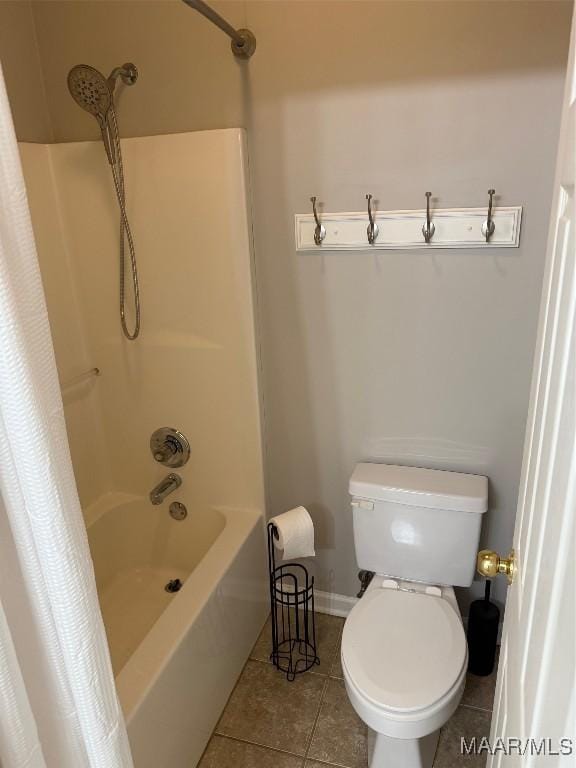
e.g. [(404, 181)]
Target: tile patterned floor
[(309, 723)]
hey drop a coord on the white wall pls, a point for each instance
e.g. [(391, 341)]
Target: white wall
[(405, 357)]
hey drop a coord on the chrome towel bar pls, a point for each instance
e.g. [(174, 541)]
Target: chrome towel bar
[(92, 372)]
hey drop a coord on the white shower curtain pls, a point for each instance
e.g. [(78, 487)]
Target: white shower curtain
[(58, 702)]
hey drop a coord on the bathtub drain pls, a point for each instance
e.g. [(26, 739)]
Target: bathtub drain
[(174, 585)]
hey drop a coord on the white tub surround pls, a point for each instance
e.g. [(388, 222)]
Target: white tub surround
[(193, 367)]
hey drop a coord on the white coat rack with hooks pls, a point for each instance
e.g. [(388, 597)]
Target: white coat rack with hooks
[(426, 228)]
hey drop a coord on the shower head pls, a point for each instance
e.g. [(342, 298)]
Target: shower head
[(95, 94), (90, 90)]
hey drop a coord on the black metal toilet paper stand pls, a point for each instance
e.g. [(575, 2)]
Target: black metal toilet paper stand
[(292, 614)]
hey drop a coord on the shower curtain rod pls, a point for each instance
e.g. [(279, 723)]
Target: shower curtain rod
[(243, 41)]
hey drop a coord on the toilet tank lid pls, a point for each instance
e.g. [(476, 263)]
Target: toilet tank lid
[(431, 488)]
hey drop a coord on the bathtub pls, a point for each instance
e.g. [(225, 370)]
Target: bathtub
[(176, 655)]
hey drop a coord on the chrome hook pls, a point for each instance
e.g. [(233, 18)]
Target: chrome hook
[(372, 230), (428, 229), (320, 231), (488, 226)]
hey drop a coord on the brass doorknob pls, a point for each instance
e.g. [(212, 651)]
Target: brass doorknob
[(490, 564)]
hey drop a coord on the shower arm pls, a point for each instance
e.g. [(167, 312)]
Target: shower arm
[(243, 41)]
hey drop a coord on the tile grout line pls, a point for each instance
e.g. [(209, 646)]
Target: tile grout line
[(258, 744), (338, 654), (312, 732), (332, 765), (215, 729), (325, 675), (479, 709), (327, 679)]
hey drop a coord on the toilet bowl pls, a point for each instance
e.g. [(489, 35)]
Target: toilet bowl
[(404, 659), (404, 652)]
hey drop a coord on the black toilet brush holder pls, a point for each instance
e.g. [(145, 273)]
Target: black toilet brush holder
[(292, 614), (483, 622)]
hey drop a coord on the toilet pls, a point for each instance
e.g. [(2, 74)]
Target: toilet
[(404, 652)]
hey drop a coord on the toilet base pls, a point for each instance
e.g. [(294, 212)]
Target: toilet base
[(385, 751)]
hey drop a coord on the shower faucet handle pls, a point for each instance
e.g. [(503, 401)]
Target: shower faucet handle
[(170, 447), (165, 452)]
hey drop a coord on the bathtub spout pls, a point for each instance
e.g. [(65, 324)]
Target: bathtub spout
[(165, 488)]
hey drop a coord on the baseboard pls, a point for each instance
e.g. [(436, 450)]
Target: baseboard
[(333, 604), (327, 602)]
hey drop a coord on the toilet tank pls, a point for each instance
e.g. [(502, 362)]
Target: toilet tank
[(418, 524)]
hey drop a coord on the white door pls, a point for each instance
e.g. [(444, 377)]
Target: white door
[(536, 677)]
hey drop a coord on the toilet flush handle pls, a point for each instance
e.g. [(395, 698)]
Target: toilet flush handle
[(362, 504)]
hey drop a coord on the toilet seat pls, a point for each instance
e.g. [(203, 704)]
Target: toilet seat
[(403, 651), (402, 725)]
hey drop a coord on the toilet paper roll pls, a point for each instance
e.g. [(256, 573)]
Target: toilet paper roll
[(295, 533)]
